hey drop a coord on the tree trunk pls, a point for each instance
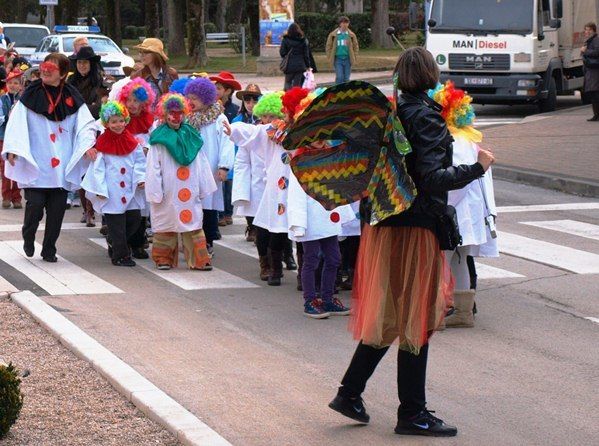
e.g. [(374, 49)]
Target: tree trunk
[(176, 37), (117, 36), (221, 11), (151, 18), (110, 16), (380, 23), (253, 13), (195, 34)]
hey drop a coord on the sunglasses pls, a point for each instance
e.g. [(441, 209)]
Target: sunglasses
[(251, 98)]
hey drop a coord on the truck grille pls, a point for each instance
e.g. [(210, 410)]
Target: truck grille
[(479, 61)]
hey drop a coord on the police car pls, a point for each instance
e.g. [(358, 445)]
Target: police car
[(113, 58)]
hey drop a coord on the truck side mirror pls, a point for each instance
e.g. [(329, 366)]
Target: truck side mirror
[(432, 23), (555, 23)]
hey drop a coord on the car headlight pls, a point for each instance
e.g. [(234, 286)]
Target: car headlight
[(527, 83)]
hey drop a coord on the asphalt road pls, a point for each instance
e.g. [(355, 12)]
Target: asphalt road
[(246, 361)]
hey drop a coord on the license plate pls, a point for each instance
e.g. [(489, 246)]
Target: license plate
[(478, 81), (113, 71)]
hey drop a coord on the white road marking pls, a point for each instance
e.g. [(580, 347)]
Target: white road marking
[(593, 319), (237, 242), (578, 228), (478, 123), (188, 279), (65, 226), (487, 272), (6, 286), (569, 259), (60, 278), (549, 207)]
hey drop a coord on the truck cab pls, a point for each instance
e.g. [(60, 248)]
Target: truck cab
[(511, 51)]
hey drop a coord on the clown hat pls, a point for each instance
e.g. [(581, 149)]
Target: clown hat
[(14, 74), (226, 78)]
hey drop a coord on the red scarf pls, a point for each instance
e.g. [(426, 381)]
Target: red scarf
[(112, 143), (141, 123)]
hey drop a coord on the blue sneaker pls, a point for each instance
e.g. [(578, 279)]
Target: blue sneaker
[(336, 308), (314, 309)]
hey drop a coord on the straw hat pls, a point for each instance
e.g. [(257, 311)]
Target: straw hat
[(251, 89), (153, 45)]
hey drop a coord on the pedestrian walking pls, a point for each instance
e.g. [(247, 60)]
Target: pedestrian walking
[(208, 119), (295, 51), (156, 70), (114, 183), (342, 50), (590, 56), (49, 133), (11, 194), (402, 281), (178, 177)]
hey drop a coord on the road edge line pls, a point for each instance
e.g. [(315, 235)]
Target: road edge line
[(147, 397)]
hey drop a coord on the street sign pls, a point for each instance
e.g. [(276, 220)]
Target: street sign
[(48, 2)]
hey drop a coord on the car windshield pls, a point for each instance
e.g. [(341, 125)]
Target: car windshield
[(25, 36), (483, 16), (99, 44)]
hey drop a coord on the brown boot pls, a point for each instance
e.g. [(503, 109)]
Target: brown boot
[(264, 268), (463, 315), (276, 268)]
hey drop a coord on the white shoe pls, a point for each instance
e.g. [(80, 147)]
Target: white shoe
[(76, 202)]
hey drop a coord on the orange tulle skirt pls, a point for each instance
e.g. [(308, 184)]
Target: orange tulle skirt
[(402, 287)]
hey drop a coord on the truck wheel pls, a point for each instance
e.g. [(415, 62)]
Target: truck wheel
[(550, 103)]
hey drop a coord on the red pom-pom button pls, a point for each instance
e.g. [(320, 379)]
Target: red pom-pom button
[(123, 171), (335, 217), (122, 184), (123, 200)]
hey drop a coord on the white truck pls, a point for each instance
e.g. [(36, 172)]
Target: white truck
[(511, 51)]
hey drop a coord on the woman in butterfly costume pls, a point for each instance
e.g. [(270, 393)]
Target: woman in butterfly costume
[(403, 283), (49, 133)]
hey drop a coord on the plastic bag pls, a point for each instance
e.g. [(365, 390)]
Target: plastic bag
[(309, 81)]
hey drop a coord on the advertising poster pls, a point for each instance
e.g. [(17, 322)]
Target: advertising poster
[(275, 18)]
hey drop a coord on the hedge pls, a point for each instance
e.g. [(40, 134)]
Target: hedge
[(317, 28)]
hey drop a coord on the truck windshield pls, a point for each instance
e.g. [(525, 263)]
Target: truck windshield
[(483, 16)]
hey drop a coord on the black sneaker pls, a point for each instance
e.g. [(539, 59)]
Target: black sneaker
[(125, 261), (425, 424), (350, 407), (29, 249), (140, 253)]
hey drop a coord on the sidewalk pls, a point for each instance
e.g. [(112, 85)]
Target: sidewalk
[(556, 151)]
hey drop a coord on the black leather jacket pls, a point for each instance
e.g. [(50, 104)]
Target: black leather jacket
[(430, 162)]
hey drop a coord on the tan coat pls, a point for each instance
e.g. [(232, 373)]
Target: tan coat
[(332, 45)]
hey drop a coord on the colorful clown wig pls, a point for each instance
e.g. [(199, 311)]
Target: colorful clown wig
[(457, 108), (113, 108), (178, 86), (170, 102), (303, 104), (203, 89), (270, 104), (292, 99), (140, 89)]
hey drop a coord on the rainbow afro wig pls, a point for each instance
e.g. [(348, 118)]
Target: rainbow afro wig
[(170, 102), (203, 89), (140, 90), (113, 108), (457, 105), (178, 86), (305, 102), (270, 104)]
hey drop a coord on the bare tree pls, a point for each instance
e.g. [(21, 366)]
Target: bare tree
[(176, 32), (195, 34), (70, 12), (380, 23), (253, 13), (221, 11), (151, 18)]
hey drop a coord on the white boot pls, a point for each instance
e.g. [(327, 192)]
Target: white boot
[(463, 303)]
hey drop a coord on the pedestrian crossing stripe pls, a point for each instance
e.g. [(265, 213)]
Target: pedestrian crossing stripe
[(187, 279), (487, 272), (65, 226), (60, 278), (549, 207), (578, 228), (6, 286)]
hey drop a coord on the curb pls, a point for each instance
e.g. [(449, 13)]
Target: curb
[(569, 185), (152, 401)]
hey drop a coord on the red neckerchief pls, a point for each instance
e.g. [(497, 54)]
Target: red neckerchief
[(52, 104), (112, 143), (141, 123)]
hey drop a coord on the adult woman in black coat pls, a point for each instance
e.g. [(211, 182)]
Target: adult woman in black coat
[(87, 78), (590, 53), (402, 282), (295, 46)]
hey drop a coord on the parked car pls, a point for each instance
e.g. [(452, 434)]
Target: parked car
[(26, 37), (113, 57)]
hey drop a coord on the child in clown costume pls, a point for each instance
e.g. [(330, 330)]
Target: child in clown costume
[(207, 117), (114, 182), (474, 203), (137, 95), (178, 177)]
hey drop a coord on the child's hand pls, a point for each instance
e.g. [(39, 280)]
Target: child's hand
[(11, 157), (92, 154), (141, 185), (227, 127), (222, 174), (101, 197)]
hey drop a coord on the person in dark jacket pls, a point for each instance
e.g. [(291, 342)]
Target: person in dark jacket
[(590, 50), (402, 284), (296, 48)]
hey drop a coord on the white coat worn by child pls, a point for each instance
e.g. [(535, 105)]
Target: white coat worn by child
[(178, 178), (114, 182), (207, 118)]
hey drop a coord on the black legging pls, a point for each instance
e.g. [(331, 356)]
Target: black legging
[(349, 252), (411, 376), (273, 240)]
